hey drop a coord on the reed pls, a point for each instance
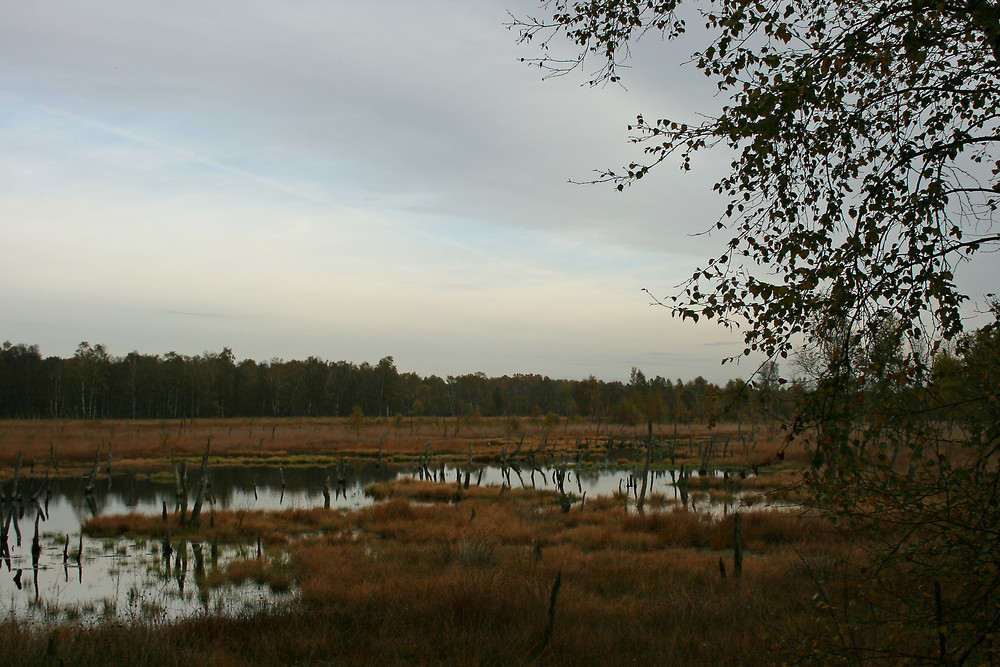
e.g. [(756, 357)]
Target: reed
[(140, 444), (419, 578), (459, 591)]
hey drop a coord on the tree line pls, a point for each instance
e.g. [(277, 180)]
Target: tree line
[(94, 384)]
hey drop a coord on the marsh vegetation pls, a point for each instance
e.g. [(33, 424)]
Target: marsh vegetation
[(452, 556)]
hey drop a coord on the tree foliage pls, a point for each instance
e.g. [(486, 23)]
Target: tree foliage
[(916, 470), (865, 138)]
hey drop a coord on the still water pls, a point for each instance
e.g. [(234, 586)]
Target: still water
[(131, 580)]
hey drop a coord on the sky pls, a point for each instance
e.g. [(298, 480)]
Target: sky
[(342, 180)]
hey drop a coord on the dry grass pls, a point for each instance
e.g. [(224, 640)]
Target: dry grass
[(226, 526), (144, 444), (420, 579)]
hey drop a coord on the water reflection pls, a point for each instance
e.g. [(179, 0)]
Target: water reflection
[(55, 574)]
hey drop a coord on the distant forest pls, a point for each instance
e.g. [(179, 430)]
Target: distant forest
[(93, 384)]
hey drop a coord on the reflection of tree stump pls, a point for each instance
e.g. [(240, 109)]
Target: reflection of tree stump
[(36, 545), (199, 561), (168, 549)]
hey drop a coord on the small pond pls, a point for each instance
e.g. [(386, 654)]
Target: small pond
[(131, 580)]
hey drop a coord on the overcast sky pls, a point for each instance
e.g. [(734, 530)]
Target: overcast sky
[(344, 180)]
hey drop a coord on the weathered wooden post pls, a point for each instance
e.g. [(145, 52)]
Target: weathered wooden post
[(342, 476), (552, 610), (673, 447), (202, 487), (91, 481), (4, 532), (180, 493), (48, 494), (737, 546), (468, 467), (645, 470), (705, 450)]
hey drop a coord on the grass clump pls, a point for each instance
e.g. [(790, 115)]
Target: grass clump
[(421, 579)]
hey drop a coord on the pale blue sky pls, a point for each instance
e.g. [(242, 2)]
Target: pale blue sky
[(339, 179)]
